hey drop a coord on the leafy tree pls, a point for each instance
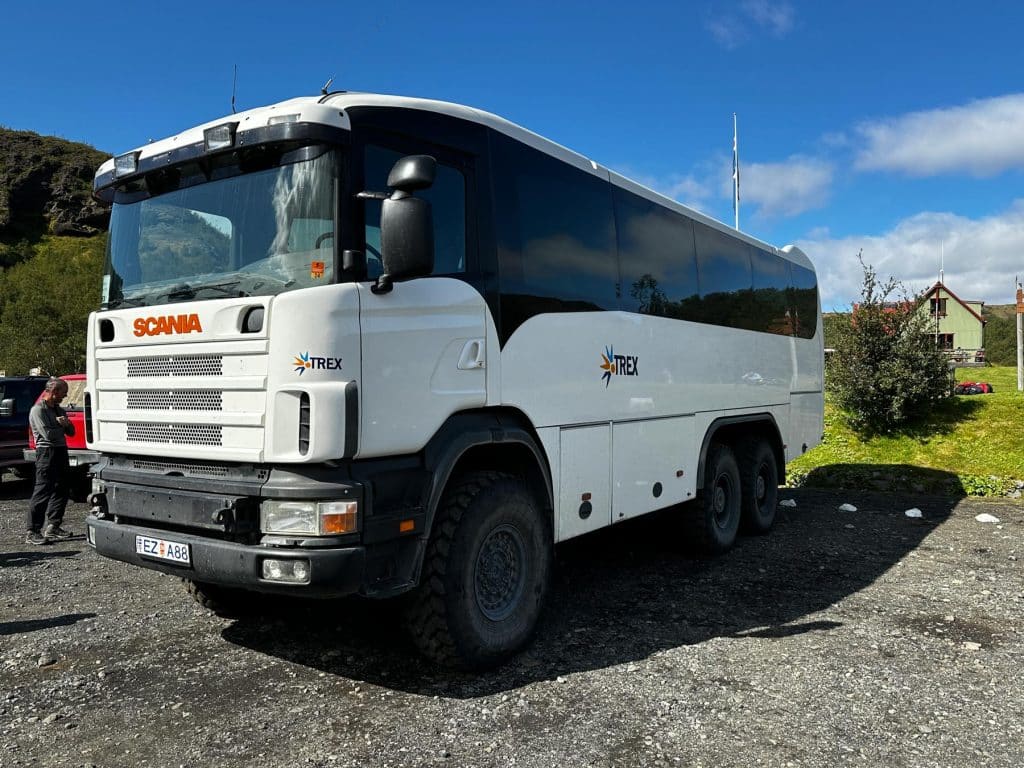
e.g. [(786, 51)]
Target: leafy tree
[(886, 369), (45, 304)]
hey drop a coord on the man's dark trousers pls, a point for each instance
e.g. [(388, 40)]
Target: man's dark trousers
[(50, 496)]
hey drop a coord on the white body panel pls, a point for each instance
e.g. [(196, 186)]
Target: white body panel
[(424, 353)]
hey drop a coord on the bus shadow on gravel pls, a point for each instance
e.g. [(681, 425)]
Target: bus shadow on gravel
[(629, 591)]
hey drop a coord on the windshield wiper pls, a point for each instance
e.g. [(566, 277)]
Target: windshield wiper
[(124, 301), (184, 292)]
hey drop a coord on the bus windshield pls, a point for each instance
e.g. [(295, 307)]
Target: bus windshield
[(258, 222)]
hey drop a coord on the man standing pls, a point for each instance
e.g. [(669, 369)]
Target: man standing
[(51, 426)]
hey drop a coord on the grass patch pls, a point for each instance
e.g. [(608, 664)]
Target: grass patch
[(972, 444)]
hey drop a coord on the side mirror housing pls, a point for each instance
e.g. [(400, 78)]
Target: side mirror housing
[(407, 223), (7, 408)]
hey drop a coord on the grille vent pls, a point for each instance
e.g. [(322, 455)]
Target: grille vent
[(188, 470), (181, 400), (176, 434), (176, 365)]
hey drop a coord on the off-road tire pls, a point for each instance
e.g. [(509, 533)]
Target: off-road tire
[(759, 482), (226, 602), (485, 575), (718, 519)]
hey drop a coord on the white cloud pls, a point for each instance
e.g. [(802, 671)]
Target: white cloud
[(982, 256), (981, 138), (782, 189), (734, 29), (776, 17)]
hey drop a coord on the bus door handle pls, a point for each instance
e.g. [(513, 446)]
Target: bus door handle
[(472, 356)]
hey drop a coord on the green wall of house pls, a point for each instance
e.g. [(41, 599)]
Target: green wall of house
[(967, 330)]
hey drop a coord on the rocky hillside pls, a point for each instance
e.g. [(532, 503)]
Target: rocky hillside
[(45, 187)]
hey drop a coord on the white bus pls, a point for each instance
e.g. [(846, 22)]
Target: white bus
[(370, 344)]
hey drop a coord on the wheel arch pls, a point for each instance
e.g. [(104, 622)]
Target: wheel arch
[(732, 429), (495, 438)]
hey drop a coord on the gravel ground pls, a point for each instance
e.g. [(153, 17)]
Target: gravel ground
[(864, 638)]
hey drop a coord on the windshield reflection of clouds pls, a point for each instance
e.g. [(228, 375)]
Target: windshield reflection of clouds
[(255, 233)]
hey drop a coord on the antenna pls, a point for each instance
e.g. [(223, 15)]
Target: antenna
[(234, 82), (323, 91)]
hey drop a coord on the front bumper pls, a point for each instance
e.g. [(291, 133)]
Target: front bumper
[(334, 572), (76, 456)]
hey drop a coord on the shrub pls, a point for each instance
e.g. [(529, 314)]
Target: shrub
[(886, 369)]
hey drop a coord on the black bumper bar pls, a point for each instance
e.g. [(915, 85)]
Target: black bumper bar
[(334, 572)]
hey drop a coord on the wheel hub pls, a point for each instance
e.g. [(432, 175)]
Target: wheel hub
[(499, 579)]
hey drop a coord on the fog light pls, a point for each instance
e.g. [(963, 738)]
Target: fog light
[(294, 571), (90, 535)]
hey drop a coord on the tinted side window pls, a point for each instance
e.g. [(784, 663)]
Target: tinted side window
[(447, 198), (556, 236), (770, 306), (656, 258), (726, 282), (804, 301)]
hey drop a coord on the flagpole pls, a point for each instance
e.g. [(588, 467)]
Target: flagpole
[(735, 172)]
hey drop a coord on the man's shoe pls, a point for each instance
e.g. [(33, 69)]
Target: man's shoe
[(56, 533), (35, 537)]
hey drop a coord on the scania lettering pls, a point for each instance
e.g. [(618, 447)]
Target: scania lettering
[(378, 345), (153, 326)]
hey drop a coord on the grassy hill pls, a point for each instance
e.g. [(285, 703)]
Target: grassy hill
[(971, 443), (52, 239)]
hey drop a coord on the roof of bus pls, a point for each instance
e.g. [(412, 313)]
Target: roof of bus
[(330, 110)]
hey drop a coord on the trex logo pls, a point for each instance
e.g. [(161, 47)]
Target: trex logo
[(618, 365), (305, 362), (169, 324)]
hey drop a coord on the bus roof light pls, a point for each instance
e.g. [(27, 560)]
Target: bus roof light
[(126, 164), (220, 136)]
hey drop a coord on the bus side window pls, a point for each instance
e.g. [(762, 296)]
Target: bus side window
[(447, 198)]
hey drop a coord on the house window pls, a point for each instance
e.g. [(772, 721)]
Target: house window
[(944, 340), (938, 307)]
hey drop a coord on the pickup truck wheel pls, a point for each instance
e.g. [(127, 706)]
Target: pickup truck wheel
[(485, 576), (79, 485), (226, 602), (25, 472)]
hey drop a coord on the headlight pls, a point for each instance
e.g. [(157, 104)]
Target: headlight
[(309, 518)]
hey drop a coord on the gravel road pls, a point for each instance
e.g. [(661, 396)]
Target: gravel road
[(861, 638)]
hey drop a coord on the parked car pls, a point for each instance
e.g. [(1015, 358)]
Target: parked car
[(80, 458), (17, 394)]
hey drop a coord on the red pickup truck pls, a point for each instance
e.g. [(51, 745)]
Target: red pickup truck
[(80, 458)]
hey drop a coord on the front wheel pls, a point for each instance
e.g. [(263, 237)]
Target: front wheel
[(486, 573), (226, 602)]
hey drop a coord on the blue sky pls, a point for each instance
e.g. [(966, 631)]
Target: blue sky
[(892, 128)]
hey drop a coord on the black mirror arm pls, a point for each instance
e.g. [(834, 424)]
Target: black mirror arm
[(383, 285)]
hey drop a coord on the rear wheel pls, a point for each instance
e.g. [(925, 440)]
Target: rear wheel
[(719, 518), (486, 573), (759, 476)]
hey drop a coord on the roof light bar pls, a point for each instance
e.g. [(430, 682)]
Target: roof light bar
[(126, 164), (220, 136), (278, 119)]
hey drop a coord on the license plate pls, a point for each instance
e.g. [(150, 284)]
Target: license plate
[(163, 549)]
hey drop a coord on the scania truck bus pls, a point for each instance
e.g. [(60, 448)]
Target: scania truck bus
[(364, 344)]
